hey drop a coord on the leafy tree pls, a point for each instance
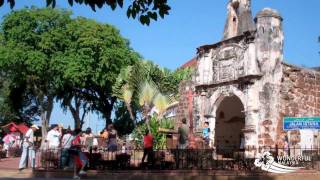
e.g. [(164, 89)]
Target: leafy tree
[(94, 57), (50, 56), (155, 124), (166, 81), (32, 40), (76, 103), (122, 121), (15, 105), (6, 111), (144, 10), (148, 85)]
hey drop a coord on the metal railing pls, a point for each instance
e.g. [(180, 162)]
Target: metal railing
[(182, 159)]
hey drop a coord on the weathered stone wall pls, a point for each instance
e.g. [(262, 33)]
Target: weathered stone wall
[(269, 44), (249, 65), (299, 96), (182, 110)]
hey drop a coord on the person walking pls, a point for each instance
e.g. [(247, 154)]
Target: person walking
[(148, 147), (79, 158), (28, 148), (66, 143)]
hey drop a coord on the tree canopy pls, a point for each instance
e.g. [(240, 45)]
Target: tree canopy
[(48, 55), (144, 10), (146, 85), (31, 42)]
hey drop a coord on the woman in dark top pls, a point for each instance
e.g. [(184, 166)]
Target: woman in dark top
[(112, 139)]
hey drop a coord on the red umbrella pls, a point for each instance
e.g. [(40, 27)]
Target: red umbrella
[(23, 128), (9, 127), (12, 127)]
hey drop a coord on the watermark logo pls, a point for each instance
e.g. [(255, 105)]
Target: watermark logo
[(267, 163)]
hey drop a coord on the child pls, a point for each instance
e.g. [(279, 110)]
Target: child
[(206, 132)]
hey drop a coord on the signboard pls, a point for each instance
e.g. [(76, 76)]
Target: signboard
[(299, 123)]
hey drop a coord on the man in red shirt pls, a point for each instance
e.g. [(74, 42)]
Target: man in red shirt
[(148, 147)]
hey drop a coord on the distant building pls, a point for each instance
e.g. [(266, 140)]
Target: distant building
[(243, 88)]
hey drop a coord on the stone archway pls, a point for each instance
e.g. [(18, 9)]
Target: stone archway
[(211, 115), (229, 123)]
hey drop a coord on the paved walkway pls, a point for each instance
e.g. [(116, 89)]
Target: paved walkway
[(9, 171), (9, 163)]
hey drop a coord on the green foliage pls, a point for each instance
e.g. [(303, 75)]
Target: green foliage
[(147, 91), (166, 81), (170, 80), (144, 10), (145, 85), (96, 54), (48, 55), (155, 124), (122, 121), (6, 111), (162, 80), (14, 105), (31, 39)]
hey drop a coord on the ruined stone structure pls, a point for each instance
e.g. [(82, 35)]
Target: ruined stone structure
[(242, 87)]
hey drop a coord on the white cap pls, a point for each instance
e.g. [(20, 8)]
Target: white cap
[(35, 126)]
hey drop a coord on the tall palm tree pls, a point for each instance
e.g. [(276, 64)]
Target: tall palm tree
[(136, 81)]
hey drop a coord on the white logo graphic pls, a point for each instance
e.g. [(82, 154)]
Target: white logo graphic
[(267, 163)]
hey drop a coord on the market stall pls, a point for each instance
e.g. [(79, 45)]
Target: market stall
[(13, 138)]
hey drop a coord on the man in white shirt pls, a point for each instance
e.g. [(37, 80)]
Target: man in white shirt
[(53, 137), (28, 148), (66, 143)]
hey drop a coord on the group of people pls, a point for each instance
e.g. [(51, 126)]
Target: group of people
[(183, 139), (72, 145), (184, 135), (10, 141)]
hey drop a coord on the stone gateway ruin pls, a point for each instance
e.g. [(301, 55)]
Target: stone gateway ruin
[(243, 87)]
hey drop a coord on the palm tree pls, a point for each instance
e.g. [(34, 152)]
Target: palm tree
[(136, 81)]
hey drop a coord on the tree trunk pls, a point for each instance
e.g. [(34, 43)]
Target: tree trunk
[(44, 126), (131, 113), (146, 115), (106, 112), (45, 117), (75, 112), (76, 118), (85, 110), (107, 117)]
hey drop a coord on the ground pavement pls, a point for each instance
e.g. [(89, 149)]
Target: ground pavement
[(9, 171)]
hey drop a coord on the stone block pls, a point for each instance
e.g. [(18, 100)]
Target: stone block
[(266, 122), (268, 142), (293, 77), (266, 136)]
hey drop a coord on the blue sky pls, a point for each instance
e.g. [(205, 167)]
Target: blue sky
[(173, 41)]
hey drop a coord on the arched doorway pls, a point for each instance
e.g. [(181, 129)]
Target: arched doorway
[(230, 121)]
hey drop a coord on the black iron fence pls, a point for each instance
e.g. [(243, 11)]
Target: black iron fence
[(181, 159)]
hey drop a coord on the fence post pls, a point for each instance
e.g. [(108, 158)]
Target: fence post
[(90, 158), (27, 159), (34, 160)]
